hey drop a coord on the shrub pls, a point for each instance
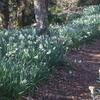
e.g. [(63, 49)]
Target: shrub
[(95, 9), (54, 17), (88, 2)]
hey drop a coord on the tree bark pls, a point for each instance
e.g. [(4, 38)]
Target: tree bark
[(41, 16), (6, 16), (21, 12)]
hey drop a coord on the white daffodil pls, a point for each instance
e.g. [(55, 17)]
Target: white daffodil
[(29, 42), (91, 88), (40, 46), (48, 52), (99, 73), (85, 36), (11, 38), (36, 57), (88, 33), (6, 33), (26, 50), (54, 48), (29, 36), (23, 81), (21, 36), (80, 61)]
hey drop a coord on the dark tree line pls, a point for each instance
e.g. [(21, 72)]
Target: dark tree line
[(19, 13)]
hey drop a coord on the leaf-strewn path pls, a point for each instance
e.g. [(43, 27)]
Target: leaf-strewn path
[(65, 86)]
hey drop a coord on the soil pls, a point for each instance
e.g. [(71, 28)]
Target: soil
[(74, 85)]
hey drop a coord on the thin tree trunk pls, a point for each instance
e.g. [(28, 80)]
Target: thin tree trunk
[(40, 10), (13, 21), (21, 12), (6, 15)]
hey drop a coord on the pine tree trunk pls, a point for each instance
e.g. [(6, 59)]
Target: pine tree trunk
[(40, 10)]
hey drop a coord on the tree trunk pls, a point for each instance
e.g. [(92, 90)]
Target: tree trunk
[(21, 12), (41, 16), (13, 21), (6, 16)]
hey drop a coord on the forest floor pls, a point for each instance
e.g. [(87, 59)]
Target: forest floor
[(74, 85)]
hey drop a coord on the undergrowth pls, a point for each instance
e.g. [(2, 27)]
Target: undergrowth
[(26, 59)]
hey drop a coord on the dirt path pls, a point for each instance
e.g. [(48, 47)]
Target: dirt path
[(74, 86)]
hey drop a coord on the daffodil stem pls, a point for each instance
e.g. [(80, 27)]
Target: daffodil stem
[(92, 95)]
